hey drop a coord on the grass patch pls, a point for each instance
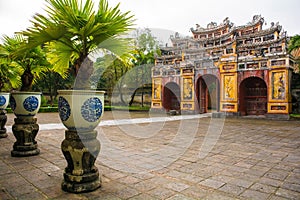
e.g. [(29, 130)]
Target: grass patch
[(295, 116), (127, 108), (106, 108)]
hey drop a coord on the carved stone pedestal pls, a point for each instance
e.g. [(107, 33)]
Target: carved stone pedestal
[(3, 119), (25, 130), (81, 150)]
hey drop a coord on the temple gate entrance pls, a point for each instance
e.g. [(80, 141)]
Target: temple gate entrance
[(171, 96), (208, 90), (253, 96)]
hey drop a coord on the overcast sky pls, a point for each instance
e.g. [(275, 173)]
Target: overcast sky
[(174, 15)]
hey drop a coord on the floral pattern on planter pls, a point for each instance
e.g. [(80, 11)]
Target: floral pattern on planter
[(91, 110), (12, 103), (31, 103), (63, 109), (2, 100)]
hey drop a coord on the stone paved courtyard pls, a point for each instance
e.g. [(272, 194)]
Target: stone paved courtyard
[(197, 158)]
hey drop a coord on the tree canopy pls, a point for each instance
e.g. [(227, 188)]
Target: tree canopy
[(72, 29)]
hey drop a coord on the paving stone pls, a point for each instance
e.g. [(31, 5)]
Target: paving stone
[(216, 196), (196, 192), (53, 191), (232, 189), (292, 186), (178, 187), (129, 180), (253, 194), (33, 195), (143, 197), (277, 174), (241, 182), (275, 197), (271, 182), (145, 186), (287, 194), (126, 193), (263, 188), (161, 193), (212, 183), (179, 197)]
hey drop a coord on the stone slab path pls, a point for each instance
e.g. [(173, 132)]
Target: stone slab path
[(147, 156)]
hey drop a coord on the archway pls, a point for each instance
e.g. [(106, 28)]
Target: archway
[(253, 96), (208, 90), (171, 96)]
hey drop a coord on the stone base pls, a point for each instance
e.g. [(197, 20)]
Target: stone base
[(25, 130), (81, 150), (82, 183), (3, 119), (3, 133), (278, 116), (33, 152), (158, 110)]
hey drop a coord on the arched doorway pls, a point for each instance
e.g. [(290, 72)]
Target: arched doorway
[(253, 96), (208, 90), (171, 98)]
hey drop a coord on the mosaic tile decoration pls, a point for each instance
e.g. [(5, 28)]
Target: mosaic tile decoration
[(63, 109), (2, 100), (91, 110), (31, 103)]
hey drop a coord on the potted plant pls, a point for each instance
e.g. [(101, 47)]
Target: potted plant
[(25, 103), (70, 32)]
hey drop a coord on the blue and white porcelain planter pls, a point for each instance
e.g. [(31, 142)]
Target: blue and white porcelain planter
[(4, 99), (80, 110), (25, 106), (25, 103)]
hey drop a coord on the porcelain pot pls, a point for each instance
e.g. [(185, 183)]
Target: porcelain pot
[(25, 103), (4, 99), (80, 110)]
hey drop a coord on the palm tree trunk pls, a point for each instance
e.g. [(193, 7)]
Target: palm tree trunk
[(27, 79), (84, 70)]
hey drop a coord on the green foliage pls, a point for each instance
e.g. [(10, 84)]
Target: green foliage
[(9, 76), (22, 68), (122, 76), (294, 43), (72, 29), (50, 82)]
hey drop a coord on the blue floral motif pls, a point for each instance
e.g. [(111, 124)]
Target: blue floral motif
[(2, 100), (12, 103), (91, 110), (63, 109), (31, 103)]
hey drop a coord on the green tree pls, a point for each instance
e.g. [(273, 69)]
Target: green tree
[(109, 74), (9, 76), (73, 29), (293, 47), (294, 43), (147, 47), (29, 65), (50, 82)]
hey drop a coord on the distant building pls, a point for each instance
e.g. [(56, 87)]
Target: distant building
[(240, 70)]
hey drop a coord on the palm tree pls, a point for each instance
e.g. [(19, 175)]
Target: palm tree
[(9, 76), (21, 69), (72, 30)]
